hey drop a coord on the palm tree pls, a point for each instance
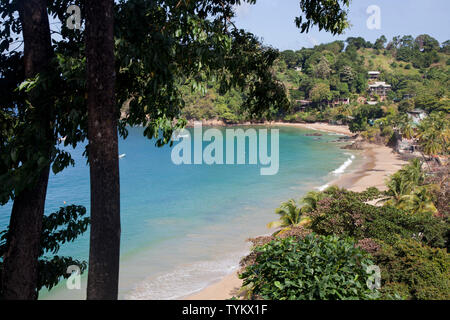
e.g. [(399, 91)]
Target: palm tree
[(406, 192), (310, 201), (289, 214), (413, 172), (398, 187), (420, 201), (406, 129), (434, 134)]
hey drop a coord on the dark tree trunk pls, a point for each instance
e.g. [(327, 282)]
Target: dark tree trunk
[(103, 276), (19, 277)]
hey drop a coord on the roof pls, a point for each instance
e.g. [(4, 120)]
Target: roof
[(379, 84), (373, 72), (417, 111)]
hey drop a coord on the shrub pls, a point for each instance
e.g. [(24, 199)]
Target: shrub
[(343, 214), (414, 271), (389, 222), (315, 267), (371, 193)]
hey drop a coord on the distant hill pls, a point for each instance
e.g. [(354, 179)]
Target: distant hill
[(417, 69)]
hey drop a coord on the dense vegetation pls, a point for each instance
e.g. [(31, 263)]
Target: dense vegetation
[(417, 69), (404, 234), (315, 267), (132, 53)]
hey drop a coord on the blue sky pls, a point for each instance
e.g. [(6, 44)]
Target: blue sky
[(273, 21)]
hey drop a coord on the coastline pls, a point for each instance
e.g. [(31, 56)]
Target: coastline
[(377, 164), (319, 126)]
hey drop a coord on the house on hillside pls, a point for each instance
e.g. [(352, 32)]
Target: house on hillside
[(303, 102), (380, 88), (301, 105), (373, 75), (417, 115), (345, 101)]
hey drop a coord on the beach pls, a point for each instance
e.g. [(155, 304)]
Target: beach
[(378, 162)]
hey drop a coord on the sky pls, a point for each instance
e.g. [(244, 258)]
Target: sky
[(273, 21)]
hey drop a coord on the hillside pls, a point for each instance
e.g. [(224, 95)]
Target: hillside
[(316, 77)]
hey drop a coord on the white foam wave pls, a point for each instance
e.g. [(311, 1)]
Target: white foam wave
[(344, 166), (322, 188), (184, 280)]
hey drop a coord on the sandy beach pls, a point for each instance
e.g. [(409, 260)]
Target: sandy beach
[(377, 164)]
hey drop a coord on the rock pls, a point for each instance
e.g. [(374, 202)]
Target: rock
[(313, 134), (357, 145)]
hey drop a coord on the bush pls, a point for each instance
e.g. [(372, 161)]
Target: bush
[(315, 267), (414, 271), (371, 193), (344, 214)]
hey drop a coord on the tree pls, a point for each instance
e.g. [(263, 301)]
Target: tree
[(356, 43), (290, 215), (21, 259), (320, 92), (329, 15), (154, 52), (446, 46), (103, 155), (347, 74), (322, 69), (434, 134), (426, 43), (58, 228), (291, 58), (310, 201), (380, 43)]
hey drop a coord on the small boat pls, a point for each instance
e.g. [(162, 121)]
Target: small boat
[(123, 155)]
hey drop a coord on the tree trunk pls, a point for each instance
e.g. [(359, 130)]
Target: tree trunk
[(103, 276), (19, 277)]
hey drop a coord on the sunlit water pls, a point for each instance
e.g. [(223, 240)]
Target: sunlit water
[(186, 226)]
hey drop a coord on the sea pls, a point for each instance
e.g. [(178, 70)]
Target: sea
[(185, 226)]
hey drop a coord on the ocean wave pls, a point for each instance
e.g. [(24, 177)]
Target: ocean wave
[(344, 166), (185, 280), (322, 188)]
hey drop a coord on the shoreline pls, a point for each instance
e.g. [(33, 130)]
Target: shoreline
[(377, 164), (318, 126)]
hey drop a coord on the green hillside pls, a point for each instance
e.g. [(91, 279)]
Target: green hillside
[(416, 69)]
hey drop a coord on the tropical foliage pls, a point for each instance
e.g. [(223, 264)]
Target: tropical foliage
[(406, 190), (312, 268), (58, 228), (407, 238)]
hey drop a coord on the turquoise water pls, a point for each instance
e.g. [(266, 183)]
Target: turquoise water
[(185, 226)]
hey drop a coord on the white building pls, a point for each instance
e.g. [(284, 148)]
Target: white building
[(417, 115), (373, 75), (380, 88)]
